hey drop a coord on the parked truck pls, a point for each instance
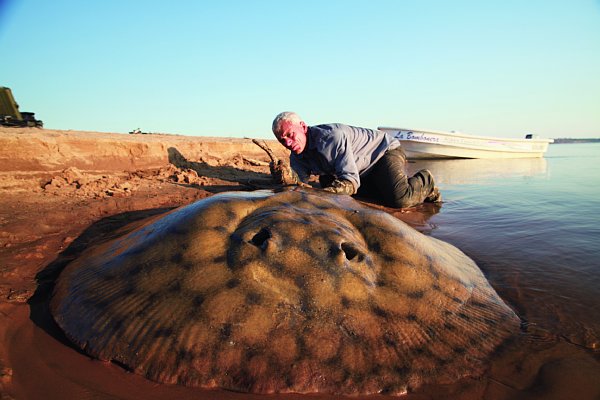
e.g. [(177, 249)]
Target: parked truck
[(10, 114)]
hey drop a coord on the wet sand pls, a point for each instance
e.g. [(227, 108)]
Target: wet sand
[(62, 190)]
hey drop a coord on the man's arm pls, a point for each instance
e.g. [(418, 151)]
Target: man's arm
[(300, 168), (339, 153), (341, 186)]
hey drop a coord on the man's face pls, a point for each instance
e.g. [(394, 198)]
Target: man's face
[(292, 135)]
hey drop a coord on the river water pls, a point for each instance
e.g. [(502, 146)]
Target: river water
[(533, 227)]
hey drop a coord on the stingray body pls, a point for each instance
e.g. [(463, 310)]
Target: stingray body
[(297, 291)]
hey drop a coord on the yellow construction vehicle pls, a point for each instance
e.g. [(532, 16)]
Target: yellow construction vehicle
[(10, 114)]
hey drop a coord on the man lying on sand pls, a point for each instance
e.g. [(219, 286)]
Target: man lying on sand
[(347, 158)]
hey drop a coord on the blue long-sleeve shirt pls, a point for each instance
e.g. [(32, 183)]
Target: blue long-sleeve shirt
[(343, 151)]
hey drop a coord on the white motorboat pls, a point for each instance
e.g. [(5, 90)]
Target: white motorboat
[(437, 144)]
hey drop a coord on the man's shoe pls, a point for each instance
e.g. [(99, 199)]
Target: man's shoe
[(434, 197)]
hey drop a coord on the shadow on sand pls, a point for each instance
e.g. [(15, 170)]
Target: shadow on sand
[(241, 179)]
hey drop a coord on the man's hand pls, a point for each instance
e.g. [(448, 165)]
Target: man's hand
[(341, 186), (283, 173)]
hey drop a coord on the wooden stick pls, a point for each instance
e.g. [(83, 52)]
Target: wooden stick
[(275, 160), (266, 148)]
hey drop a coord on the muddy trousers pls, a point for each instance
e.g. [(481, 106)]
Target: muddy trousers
[(387, 181)]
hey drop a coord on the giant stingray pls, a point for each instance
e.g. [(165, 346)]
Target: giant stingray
[(297, 291)]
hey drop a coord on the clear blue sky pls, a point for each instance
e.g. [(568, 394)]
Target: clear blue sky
[(226, 68)]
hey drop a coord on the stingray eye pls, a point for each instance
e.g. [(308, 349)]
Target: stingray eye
[(260, 239), (352, 252)]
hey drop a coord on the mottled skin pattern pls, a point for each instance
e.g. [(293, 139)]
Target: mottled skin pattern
[(299, 291)]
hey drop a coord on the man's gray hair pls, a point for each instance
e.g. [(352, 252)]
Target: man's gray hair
[(284, 116)]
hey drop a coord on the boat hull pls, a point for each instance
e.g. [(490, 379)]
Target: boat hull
[(421, 144)]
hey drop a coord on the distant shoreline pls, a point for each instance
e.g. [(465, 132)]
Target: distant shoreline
[(569, 140)]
